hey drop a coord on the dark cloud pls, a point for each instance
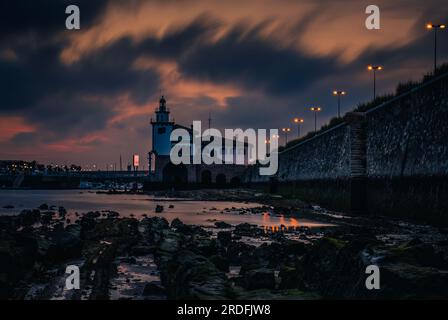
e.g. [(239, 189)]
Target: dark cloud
[(24, 139), (105, 72), (255, 63), (64, 116), (179, 41)]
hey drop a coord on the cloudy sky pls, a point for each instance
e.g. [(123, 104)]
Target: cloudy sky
[(87, 96)]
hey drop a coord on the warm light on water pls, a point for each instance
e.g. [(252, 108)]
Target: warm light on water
[(204, 213)]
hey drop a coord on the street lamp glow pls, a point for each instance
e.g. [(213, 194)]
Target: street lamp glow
[(315, 110), (435, 27), (374, 69), (298, 121), (286, 130), (339, 93), (370, 67)]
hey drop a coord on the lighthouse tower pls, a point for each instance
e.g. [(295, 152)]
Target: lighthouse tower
[(161, 130)]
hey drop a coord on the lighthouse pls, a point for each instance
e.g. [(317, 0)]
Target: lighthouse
[(161, 130)]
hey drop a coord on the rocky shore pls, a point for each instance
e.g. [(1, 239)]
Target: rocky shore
[(152, 258)]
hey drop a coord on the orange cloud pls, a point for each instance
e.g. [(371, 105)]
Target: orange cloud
[(184, 88), (82, 144), (11, 126), (332, 27)]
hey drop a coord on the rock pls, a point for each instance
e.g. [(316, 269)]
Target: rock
[(171, 206), (224, 238), (222, 225), (176, 223), (154, 289), (290, 278), (220, 262), (62, 212), (29, 217), (187, 229), (18, 254), (152, 228), (418, 253), (43, 206), (264, 294), (169, 244), (403, 280), (191, 276), (112, 214), (68, 242), (332, 264), (159, 208), (237, 252), (130, 260), (248, 230), (141, 250), (124, 229), (87, 224), (262, 278), (46, 217), (92, 215)]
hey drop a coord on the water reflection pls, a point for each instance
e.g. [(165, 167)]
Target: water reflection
[(204, 213), (284, 224)]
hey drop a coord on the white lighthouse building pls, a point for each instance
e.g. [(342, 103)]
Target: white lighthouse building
[(161, 170), (161, 130)]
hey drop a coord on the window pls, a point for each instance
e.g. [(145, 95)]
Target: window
[(161, 130)]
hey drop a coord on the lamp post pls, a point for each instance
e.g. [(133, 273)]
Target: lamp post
[(339, 93), (374, 69), (435, 27), (315, 110), (298, 121), (286, 130)]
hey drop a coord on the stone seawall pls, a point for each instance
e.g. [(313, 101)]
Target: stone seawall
[(391, 160), (408, 137)]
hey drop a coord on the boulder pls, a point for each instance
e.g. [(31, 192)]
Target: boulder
[(224, 238), (154, 289), (46, 217), (176, 223), (44, 206), (222, 225), (290, 278), (68, 242), (220, 262), (262, 278), (29, 217), (191, 276), (62, 212)]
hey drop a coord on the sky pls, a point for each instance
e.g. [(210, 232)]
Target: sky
[(87, 96)]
